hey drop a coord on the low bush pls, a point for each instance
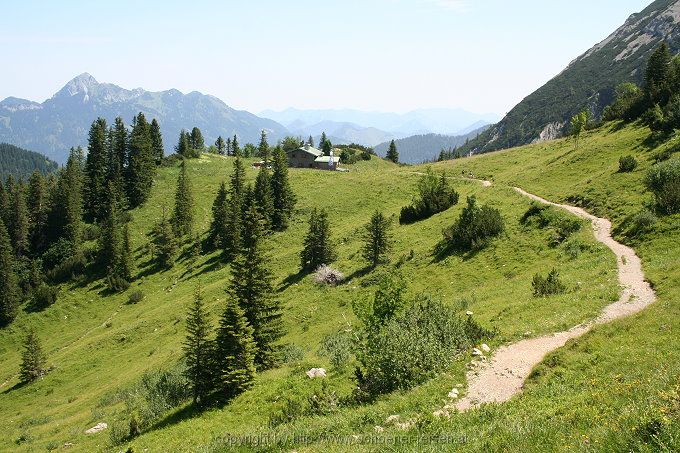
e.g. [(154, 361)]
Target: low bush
[(338, 348), (136, 296), (291, 353), (475, 227), (543, 216), (326, 275), (627, 164), (304, 400), (72, 267), (663, 180), (434, 195), (547, 286), (117, 283), (44, 296), (412, 346)]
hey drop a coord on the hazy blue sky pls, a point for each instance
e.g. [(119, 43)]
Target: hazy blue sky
[(389, 55)]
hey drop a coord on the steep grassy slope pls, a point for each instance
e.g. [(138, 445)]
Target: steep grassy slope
[(615, 389), (98, 345)]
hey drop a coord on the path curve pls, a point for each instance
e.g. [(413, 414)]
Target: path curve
[(504, 375)]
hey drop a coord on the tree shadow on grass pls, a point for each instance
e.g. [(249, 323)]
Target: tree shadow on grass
[(16, 386), (443, 250), (656, 138), (362, 272), (291, 280)]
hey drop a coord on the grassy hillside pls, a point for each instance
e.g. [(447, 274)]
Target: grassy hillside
[(622, 375)]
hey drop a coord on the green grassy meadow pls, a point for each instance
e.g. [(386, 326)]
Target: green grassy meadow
[(616, 388)]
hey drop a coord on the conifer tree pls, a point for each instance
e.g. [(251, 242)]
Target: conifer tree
[(228, 150), (235, 351), (230, 240), (165, 244), (183, 147), (220, 210), (318, 248), (114, 248), (117, 162), (392, 153), (310, 141), (264, 199), (142, 163), (32, 359), (658, 76), (66, 203), (38, 209), (322, 140), (237, 181), (235, 149), (196, 140), (19, 221), (96, 171), (327, 147), (9, 289), (252, 287), (4, 203), (263, 148), (183, 214), (157, 141), (284, 198), (377, 240), (220, 145), (199, 350)]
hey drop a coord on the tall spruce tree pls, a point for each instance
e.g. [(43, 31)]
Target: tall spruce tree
[(658, 87), (4, 203), (157, 141), (220, 209), (284, 198), (228, 150), (392, 153), (322, 140), (142, 163), (199, 350), (114, 247), (38, 208), (9, 289), (235, 149), (183, 214), (327, 147), (220, 145), (96, 171), (196, 140), (264, 198), (118, 149), (66, 203), (377, 240), (32, 359), (183, 147), (19, 220), (310, 141), (252, 287), (263, 148), (318, 248), (165, 244), (235, 351)]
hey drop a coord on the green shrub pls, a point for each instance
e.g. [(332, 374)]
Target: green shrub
[(663, 180), (44, 296), (136, 296), (338, 348), (117, 283), (434, 195), (627, 164), (546, 286), (474, 228), (412, 347), (291, 353), (303, 400), (543, 216)]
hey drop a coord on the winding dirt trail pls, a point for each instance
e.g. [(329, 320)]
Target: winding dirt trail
[(504, 375)]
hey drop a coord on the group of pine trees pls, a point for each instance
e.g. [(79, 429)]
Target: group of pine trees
[(657, 102), (43, 221)]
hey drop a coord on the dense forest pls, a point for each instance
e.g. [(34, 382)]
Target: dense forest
[(20, 163)]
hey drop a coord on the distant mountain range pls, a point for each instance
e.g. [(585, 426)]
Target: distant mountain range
[(63, 121), (372, 128), (589, 81), (21, 163), (422, 148)]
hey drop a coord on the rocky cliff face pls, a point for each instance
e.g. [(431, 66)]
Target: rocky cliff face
[(63, 121), (588, 82)]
